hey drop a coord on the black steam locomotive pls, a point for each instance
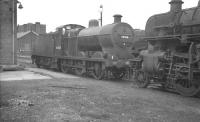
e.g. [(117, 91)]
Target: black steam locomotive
[(173, 55), (101, 52)]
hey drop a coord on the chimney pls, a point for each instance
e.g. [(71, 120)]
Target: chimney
[(37, 23), (93, 23), (176, 5), (117, 18)]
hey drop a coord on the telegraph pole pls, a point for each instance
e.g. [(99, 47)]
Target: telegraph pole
[(101, 14)]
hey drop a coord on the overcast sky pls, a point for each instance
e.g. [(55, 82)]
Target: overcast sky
[(54, 13)]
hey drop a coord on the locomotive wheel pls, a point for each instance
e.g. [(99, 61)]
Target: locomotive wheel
[(79, 71), (186, 88), (192, 59), (142, 79), (118, 75), (64, 69), (198, 95), (38, 65), (98, 73)]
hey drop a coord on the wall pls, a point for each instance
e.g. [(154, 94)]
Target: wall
[(7, 54)]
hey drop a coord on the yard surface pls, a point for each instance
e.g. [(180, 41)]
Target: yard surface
[(38, 95)]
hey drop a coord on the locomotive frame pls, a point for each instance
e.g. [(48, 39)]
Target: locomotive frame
[(173, 56)]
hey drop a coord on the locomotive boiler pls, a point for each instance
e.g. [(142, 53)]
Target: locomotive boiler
[(102, 51), (173, 55)]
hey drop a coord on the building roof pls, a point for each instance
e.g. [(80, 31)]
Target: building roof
[(22, 34), (71, 26)]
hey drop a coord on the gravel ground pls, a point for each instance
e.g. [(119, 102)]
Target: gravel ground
[(72, 99)]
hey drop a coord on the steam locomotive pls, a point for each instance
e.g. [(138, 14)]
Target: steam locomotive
[(172, 59), (100, 52)]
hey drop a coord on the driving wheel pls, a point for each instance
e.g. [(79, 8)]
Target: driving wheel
[(187, 88), (118, 75), (142, 79), (98, 73), (79, 71)]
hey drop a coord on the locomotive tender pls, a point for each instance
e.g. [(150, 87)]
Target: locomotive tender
[(173, 55), (97, 51)]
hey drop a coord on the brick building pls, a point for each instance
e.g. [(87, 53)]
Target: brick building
[(26, 42), (8, 35), (37, 27)]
